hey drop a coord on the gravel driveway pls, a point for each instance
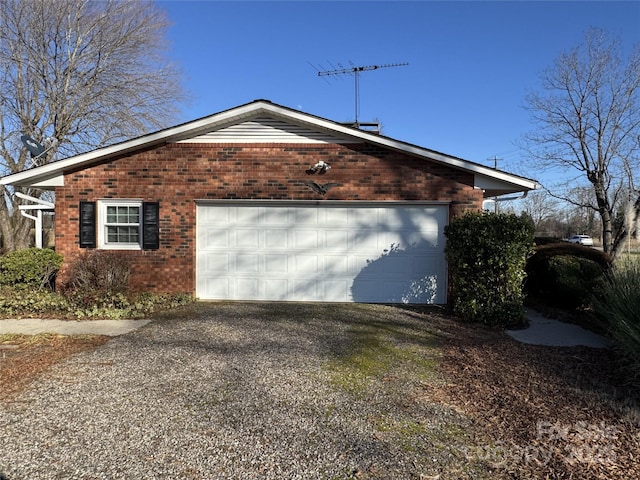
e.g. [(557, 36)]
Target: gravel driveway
[(255, 391)]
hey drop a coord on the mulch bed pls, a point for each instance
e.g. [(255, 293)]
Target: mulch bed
[(544, 412)]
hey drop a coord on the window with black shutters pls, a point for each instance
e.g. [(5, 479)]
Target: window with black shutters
[(120, 224)]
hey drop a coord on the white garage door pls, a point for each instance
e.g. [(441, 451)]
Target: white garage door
[(341, 252)]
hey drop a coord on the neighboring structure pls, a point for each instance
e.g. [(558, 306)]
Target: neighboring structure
[(262, 202)]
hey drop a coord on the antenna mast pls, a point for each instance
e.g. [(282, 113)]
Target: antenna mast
[(356, 73)]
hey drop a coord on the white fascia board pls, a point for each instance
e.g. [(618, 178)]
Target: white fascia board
[(480, 171), (496, 182), (55, 181)]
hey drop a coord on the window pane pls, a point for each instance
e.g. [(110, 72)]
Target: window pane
[(122, 234), (112, 235), (123, 214), (111, 215)]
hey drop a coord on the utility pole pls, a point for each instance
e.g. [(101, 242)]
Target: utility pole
[(356, 73), (495, 167)]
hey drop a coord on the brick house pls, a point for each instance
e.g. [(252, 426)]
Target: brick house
[(262, 202)]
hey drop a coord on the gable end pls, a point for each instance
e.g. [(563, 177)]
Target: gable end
[(266, 130)]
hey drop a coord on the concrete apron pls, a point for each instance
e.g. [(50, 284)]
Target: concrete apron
[(34, 326), (553, 333)]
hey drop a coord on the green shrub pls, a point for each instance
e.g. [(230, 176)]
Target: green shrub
[(117, 305), (487, 254), (617, 307), (545, 240), (100, 271), (31, 303), (30, 268), (565, 275), (85, 304)]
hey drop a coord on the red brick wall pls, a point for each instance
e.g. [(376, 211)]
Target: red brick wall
[(177, 174)]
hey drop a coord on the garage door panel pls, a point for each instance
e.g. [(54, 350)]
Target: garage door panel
[(218, 262), (276, 238), (363, 217), (335, 240), (342, 252), (243, 216), (363, 240), (276, 289), (213, 236), (247, 263), (426, 265), (248, 287), (334, 217), (211, 217), (247, 238), (305, 239), (276, 263), (271, 216), (305, 264), (304, 289), (335, 290), (304, 216), (216, 288), (335, 265)]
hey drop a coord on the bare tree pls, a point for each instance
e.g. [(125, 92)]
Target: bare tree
[(85, 73), (540, 206), (588, 122)]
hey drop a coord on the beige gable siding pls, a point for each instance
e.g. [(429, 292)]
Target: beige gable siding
[(266, 130)]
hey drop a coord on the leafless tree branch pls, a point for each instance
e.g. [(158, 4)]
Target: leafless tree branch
[(587, 120), (87, 73)]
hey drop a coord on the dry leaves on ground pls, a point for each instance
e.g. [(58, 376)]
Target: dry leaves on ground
[(543, 412), (24, 357)]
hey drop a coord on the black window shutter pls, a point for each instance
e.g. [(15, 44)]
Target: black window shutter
[(87, 224), (151, 225)]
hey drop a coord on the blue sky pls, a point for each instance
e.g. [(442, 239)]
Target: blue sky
[(470, 63)]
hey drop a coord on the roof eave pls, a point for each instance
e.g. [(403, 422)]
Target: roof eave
[(493, 182), (40, 176)]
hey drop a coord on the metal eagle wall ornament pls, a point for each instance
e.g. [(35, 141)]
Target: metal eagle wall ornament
[(322, 189)]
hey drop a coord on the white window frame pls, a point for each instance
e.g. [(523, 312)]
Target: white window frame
[(102, 225)]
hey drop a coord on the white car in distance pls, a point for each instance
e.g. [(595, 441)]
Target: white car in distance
[(581, 239)]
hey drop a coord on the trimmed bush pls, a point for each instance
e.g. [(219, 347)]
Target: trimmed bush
[(617, 307), (565, 275), (487, 253), (545, 240), (100, 271), (30, 268)]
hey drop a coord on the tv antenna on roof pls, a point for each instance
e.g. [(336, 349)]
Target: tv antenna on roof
[(356, 70)]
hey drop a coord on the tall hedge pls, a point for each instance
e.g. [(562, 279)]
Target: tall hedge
[(565, 275), (487, 254)]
